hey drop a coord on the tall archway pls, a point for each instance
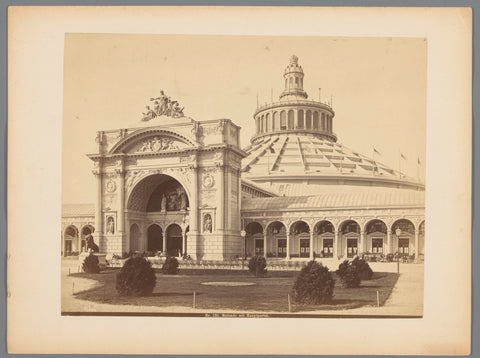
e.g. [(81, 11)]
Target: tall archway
[(135, 244), (404, 232), (376, 237), (86, 230), (174, 240), (276, 236), (350, 235), (324, 239), (158, 193), (154, 238), (300, 243), (70, 240), (254, 239)]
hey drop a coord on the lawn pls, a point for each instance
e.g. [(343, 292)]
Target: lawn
[(267, 294)]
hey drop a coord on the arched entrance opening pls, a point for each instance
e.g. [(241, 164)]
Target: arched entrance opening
[(70, 241), (404, 232), (324, 238), (350, 234), (135, 244), (86, 230), (277, 239), (254, 240), (154, 238), (174, 240), (157, 198), (300, 232), (376, 237)]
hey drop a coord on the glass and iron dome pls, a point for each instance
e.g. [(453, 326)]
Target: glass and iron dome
[(294, 142)]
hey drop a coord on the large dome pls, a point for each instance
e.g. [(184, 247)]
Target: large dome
[(294, 145)]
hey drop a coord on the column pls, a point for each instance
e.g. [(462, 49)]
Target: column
[(121, 202), (288, 245), (184, 247), (361, 247), (98, 211), (221, 199), (389, 242), (311, 245), (164, 249), (192, 244), (335, 246), (416, 246), (265, 245), (193, 217)]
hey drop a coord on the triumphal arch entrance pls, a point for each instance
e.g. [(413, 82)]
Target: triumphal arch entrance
[(169, 184)]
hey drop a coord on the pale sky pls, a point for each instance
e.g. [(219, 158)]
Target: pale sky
[(378, 87)]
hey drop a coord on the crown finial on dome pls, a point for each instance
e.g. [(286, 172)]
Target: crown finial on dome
[(294, 60)]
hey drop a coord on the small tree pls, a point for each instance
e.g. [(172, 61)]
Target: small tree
[(349, 275), (136, 278), (257, 265), (170, 266), (314, 284), (363, 268), (91, 264)]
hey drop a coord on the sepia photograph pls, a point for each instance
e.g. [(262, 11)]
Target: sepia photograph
[(240, 175), (239, 180)]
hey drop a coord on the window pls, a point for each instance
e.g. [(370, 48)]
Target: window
[(304, 247), (377, 246), (282, 247), (291, 123), (327, 247), (283, 121), (308, 122), (315, 121), (351, 247), (403, 246), (300, 119), (259, 247)]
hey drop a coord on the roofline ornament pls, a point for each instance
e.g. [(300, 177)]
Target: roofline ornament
[(163, 106)]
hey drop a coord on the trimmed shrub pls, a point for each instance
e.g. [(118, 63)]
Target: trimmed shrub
[(91, 264), (363, 268), (349, 274), (136, 278), (170, 266), (257, 265), (314, 284)]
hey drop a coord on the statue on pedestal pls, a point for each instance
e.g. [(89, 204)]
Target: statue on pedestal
[(207, 223), (91, 246), (163, 203)]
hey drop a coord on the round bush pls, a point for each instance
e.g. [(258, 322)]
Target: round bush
[(314, 284), (349, 274), (170, 266), (363, 269), (136, 278), (257, 265), (90, 264)]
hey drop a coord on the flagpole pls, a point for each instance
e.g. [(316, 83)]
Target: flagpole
[(373, 164), (418, 168), (399, 164)]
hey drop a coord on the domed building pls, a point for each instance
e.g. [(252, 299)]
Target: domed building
[(331, 200), (186, 187)]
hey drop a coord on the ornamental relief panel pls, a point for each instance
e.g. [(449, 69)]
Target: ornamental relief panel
[(157, 144)]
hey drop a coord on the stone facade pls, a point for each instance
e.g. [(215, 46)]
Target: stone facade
[(199, 162)]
